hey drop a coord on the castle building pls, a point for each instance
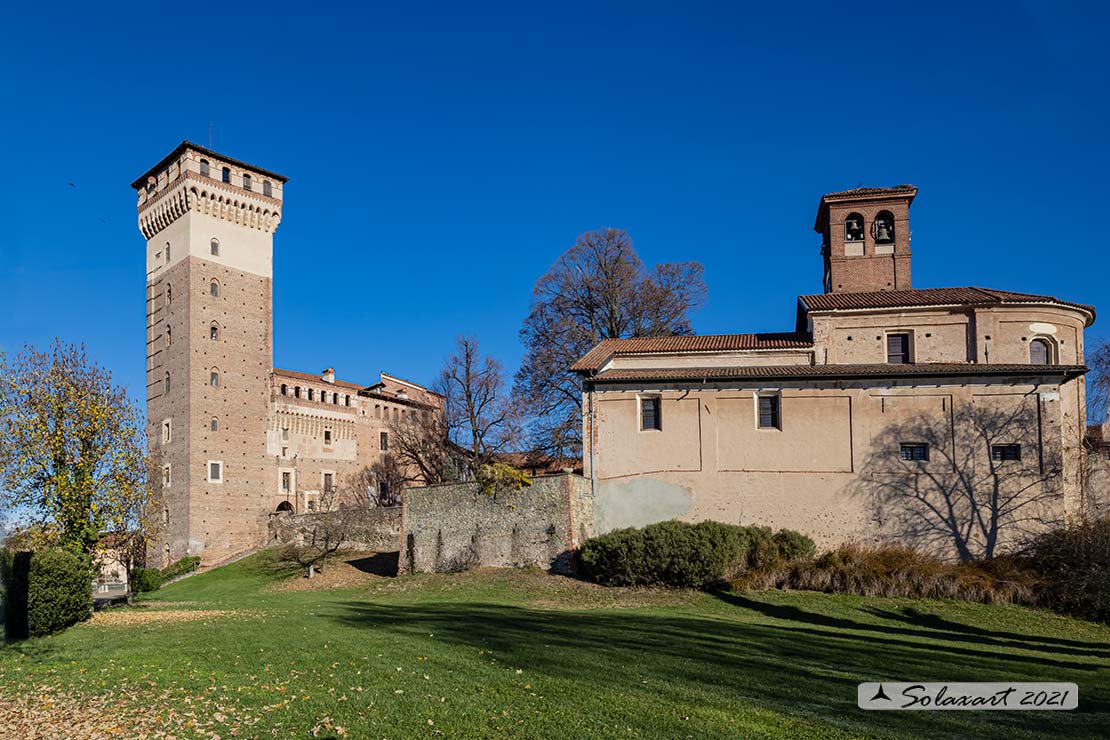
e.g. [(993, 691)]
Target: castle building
[(927, 415), (237, 439)]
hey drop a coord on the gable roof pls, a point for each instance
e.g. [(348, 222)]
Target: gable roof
[(925, 297), (297, 375), (205, 151), (606, 348)]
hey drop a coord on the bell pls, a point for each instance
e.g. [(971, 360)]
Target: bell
[(882, 231)]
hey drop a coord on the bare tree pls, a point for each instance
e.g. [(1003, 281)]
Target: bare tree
[(478, 411), (388, 478), (985, 480), (340, 521), (598, 289), (1098, 383), (421, 451)]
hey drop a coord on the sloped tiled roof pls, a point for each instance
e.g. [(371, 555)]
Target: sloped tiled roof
[(297, 375), (897, 189), (606, 348), (924, 297), (807, 372)]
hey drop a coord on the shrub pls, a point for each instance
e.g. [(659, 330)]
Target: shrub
[(145, 579), (46, 592), (894, 570), (681, 555), (180, 568), (1073, 568)]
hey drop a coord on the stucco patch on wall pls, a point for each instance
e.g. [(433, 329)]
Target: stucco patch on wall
[(636, 502)]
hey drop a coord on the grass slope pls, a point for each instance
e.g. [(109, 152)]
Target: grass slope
[(520, 654)]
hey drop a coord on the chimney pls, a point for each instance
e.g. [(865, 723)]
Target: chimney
[(329, 375)]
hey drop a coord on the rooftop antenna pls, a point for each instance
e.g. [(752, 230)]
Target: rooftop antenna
[(209, 134)]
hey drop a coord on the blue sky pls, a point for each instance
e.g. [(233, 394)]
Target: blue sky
[(442, 156)]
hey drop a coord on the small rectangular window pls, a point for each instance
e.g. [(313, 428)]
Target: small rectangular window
[(167, 431), (1002, 453), (383, 441), (215, 471), (286, 481), (329, 482), (204, 168), (267, 189), (285, 452), (246, 182), (166, 476), (898, 349), (914, 452), (285, 434), (226, 174), (769, 412), (327, 437), (651, 417)]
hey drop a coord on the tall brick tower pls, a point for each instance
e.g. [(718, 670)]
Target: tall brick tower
[(209, 222), (866, 239)]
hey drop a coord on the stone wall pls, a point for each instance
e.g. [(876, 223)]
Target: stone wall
[(454, 526), (375, 530)]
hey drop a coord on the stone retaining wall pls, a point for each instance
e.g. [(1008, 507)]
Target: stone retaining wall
[(375, 530)]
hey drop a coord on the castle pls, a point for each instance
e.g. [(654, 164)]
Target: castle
[(927, 414), (236, 438)]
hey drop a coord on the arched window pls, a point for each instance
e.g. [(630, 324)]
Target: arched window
[(214, 332), (285, 506), (311, 395), (167, 253), (883, 228), (169, 336), (1040, 352), (215, 246), (267, 189), (214, 425), (246, 181), (166, 384), (853, 228), (214, 378), (204, 168), (297, 392), (169, 295), (284, 389), (227, 174), (214, 289)]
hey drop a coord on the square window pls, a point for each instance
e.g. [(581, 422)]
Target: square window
[(898, 349), (769, 413), (651, 416), (914, 452), (215, 471), (1003, 453)]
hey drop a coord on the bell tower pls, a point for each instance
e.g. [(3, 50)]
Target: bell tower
[(209, 221), (865, 236)]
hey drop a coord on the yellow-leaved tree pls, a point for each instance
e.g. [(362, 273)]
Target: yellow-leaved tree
[(72, 452)]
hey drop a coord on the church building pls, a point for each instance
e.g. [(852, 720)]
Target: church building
[(235, 438), (947, 418)]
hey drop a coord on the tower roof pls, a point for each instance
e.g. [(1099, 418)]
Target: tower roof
[(165, 161), (899, 192)]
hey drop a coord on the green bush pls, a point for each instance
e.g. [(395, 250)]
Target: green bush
[(45, 592), (681, 555), (180, 568), (145, 579), (152, 579), (1073, 569), (894, 570)]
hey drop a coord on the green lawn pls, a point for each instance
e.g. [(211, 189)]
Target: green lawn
[(524, 654)]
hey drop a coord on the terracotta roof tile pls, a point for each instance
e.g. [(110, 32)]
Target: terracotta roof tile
[(872, 191), (297, 375), (606, 348), (930, 297), (797, 372)]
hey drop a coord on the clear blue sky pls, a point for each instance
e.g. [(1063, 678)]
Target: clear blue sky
[(441, 157)]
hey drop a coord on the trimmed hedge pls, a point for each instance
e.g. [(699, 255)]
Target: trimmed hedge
[(151, 579), (46, 592), (681, 555)]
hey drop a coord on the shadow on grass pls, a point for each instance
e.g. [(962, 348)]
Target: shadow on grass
[(378, 564), (789, 660)]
